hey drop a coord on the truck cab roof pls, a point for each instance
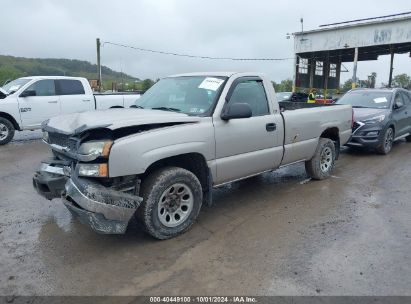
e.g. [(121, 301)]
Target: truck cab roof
[(217, 74), (51, 77)]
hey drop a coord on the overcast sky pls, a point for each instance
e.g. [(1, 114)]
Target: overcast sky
[(224, 28)]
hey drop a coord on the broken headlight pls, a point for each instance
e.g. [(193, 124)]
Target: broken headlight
[(46, 136), (98, 148), (92, 170)]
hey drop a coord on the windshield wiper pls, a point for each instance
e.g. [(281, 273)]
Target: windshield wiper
[(137, 107), (360, 107), (166, 109)]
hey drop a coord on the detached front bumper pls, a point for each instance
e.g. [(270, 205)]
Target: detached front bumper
[(103, 209)]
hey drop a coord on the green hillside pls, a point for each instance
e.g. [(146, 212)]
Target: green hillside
[(15, 67)]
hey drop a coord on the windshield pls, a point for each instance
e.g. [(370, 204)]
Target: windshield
[(192, 95), (366, 99), (14, 85), (282, 96)]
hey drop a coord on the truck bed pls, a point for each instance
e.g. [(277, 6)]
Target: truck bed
[(303, 123), (290, 105)]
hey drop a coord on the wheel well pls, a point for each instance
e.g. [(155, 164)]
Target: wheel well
[(392, 126), (331, 133), (193, 162), (11, 119), (334, 135)]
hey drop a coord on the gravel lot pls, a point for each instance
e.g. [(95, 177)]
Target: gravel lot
[(277, 234)]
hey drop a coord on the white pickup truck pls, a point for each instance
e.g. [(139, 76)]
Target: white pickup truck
[(26, 102)]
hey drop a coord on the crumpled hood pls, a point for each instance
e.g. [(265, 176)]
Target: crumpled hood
[(365, 113), (113, 119)]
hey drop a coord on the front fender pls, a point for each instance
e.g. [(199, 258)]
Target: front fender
[(134, 154)]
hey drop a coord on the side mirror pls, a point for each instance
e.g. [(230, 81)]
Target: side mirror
[(398, 104), (28, 93), (237, 110)]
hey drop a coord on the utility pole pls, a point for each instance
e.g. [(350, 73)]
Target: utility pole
[(99, 64), (391, 68)]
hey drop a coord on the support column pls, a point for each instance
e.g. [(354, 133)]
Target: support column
[(326, 73), (338, 72), (391, 68), (295, 73), (354, 74), (311, 70)]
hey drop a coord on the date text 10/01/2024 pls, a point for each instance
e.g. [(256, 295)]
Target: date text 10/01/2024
[(199, 299)]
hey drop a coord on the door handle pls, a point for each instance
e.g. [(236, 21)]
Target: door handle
[(53, 101), (86, 100), (270, 127)]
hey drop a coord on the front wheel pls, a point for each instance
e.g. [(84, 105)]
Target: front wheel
[(386, 142), (6, 131), (408, 138), (323, 161), (172, 199)]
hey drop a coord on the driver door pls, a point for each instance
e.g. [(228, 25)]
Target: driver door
[(248, 146), (400, 114), (38, 102)]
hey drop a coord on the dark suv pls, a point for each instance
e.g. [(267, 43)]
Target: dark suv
[(381, 116)]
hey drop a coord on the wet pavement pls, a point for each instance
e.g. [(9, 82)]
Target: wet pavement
[(276, 234)]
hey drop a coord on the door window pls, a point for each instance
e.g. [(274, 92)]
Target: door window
[(251, 92), (398, 101), (43, 88), (407, 98), (69, 87)]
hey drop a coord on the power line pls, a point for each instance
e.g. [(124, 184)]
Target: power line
[(193, 56)]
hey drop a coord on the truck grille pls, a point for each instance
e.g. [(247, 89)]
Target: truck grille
[(63, 140)]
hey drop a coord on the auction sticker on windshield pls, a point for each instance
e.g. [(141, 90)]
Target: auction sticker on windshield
[(380, 99), (211, 83)]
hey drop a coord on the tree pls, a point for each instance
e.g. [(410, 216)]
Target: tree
[(146, 84), (372, 79), (284, 86), (347, 85), (402, 81), (9, 73)]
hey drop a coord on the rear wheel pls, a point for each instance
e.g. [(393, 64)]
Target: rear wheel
[(386, 142), (321, 165), (6, 131), (172, 199)]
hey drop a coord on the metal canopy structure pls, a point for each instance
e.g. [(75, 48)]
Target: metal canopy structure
[(319, 53)]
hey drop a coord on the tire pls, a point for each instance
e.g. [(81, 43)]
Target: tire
[(172, 199), (408, 138), (322, 164), (6, 131), (386, 142)]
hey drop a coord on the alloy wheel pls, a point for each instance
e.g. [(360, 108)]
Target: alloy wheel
[(4, 131), (326, 159), (175, 205)]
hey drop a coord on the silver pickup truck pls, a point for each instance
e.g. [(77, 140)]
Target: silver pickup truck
[(158, 163)]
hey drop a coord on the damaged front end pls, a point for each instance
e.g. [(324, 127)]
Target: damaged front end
[(103, 209), (78, 175)]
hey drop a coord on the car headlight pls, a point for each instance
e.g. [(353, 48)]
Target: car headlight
[(46, 136), (99, 148), (92, 170), (374, 120)]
